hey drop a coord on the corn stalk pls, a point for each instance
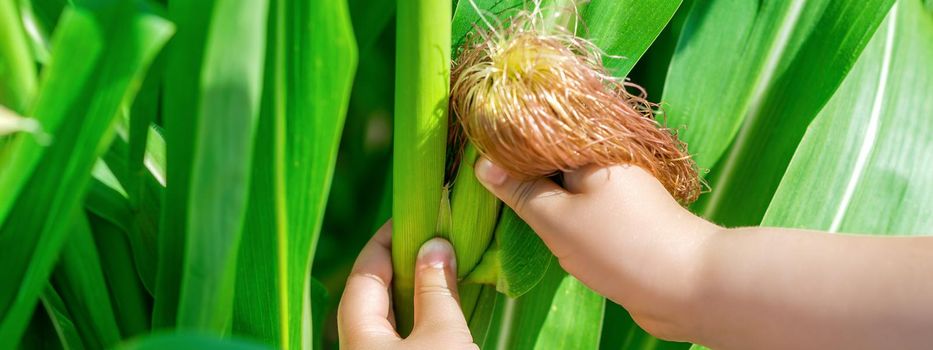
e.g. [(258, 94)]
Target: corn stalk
[(420, 136)]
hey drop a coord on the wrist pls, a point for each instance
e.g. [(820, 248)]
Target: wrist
[(686, 271)]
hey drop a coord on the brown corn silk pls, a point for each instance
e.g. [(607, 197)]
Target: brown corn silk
[(537, 103)]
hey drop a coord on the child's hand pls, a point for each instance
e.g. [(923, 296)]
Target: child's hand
[(683, 278), (365, 318), (620, 232)]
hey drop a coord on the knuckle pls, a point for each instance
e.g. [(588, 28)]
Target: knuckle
[(455, 336), (359, 277), (432, 290)]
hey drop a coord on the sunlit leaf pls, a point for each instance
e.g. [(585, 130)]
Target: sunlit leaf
[(230, 87), (306, 89), (867, 156), (768, 68)]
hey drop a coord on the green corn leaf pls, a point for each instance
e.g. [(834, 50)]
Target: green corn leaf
[(466, 17), (714, 36), (107, 202), (130, 299), (23, 152), (626, 28), (469, 296), (316, 305), (17, 66), (370, 19), (92, 71), (481, 317), (230, 84), (651, 70), (79, 280), (422, 82), (141, 115), (307, 87), (180, 105), (38, 28), (620, 332), (259, 301), (138, 196), (749, 174), (866, 157), (45, 15), (60, 319), (189, 341), (757, 87), (324, 64), (560, 313)]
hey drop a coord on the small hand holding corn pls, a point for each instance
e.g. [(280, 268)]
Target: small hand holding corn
[(365, 317), (619, 231), (683, 278)]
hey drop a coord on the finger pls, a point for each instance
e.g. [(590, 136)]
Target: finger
[(436, 305), (537, 201), (630, 186), (364, 309), (596, 179), (588, 179)]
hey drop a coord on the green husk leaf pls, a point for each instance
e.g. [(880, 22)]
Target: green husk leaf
[(523, 257), (474, 211)]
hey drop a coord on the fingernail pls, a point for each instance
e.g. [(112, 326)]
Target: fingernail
[(437, 253), (490, 173)]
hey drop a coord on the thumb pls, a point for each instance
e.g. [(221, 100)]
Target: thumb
[(536, 201), (436, 298)]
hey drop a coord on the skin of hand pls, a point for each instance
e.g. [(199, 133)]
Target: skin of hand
[(365, 319), (683, 278)]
